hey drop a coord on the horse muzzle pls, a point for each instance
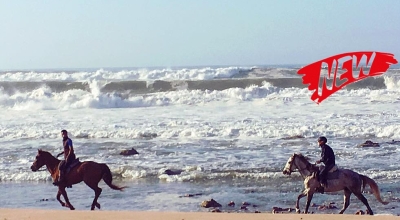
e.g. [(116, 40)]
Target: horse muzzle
[(33, 168), (285, 172)]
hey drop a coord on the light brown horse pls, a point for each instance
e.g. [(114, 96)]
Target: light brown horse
[(90, 172), (348, 181)]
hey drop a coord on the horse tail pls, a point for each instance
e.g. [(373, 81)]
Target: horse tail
[(107, 177), (374, 187)]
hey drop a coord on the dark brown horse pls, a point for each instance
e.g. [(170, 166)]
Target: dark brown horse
[(90, 172), (347, 180)]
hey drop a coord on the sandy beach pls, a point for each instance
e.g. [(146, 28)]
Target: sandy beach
[(33, 214)]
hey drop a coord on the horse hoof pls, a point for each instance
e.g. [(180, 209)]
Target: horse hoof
[(298, 211), (69, 206), (98, 205)]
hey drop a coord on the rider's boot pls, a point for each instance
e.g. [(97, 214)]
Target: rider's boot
[(320, 189), (323, 185)]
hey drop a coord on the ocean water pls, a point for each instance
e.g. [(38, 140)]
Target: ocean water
[(225, 131)]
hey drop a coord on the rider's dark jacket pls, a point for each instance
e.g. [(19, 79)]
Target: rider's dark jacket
[(327, 155)]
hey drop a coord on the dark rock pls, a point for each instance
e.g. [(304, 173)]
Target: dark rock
[(293, 137), (245, 203), (393, 142), (231, 203), (129, 152), (148, 135), (360, 212), (191, 195), (325, 207), (172, 172), (281, 210), (369, 144), (210, 203)]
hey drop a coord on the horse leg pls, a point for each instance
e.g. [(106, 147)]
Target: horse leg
[(365, 201), (64, 193), (304, 193), (98, 205), (347, 194), (59, 198), (97, 191), (309, 198)]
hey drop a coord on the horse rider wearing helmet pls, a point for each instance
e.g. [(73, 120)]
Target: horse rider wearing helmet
[(328, 158)]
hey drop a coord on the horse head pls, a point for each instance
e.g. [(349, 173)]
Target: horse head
[(299, 162), (289, 168), (40, 160)]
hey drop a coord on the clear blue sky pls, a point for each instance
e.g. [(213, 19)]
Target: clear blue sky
[(86, 34)]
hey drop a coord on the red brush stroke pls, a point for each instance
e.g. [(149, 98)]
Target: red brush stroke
[(312, 71)]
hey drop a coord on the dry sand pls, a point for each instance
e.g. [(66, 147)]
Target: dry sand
[(39, 214)]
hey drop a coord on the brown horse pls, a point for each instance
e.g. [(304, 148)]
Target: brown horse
[(347, 180), (90, 172)]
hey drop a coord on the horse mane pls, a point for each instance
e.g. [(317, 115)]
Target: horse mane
[(45, 152), (41, 151), (303, 157), (313, 167)]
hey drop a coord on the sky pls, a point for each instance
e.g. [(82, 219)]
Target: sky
[(170, 33)]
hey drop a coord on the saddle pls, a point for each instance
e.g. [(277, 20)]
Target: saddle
[(332, 173), (73, 164)]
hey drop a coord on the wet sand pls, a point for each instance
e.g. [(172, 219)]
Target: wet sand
[(39, 214)]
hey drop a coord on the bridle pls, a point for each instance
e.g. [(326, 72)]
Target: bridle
[(41, 168), (300, 169)]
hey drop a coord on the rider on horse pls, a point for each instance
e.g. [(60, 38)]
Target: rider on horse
[(328, 158), (69, 157)]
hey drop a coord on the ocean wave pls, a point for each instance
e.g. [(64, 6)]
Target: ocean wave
[(99, 95), (45, 98), (184, 176), (143, 87), (364, 126), (150, 75), (205, 73)]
